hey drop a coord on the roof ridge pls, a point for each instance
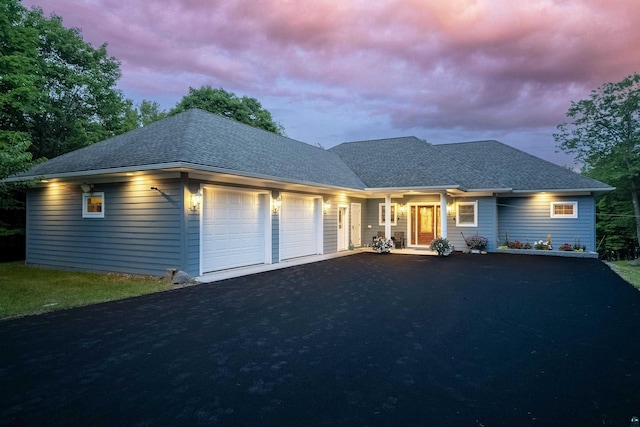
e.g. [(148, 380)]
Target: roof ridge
[(253, 128), (395, 138)]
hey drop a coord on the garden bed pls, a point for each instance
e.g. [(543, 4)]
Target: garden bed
[(570, 254)]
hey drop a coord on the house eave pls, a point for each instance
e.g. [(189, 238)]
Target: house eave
[(181, 167), (422, 189), (565, 190)]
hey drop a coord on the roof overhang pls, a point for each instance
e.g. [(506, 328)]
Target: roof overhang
[(572, 191), (169, 170)]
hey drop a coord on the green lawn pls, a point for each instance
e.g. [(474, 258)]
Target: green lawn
[(628, 270), (31, 290)]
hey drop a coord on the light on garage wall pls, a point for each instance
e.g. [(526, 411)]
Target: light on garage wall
[(196, 201), (326, 206), (276, 202)]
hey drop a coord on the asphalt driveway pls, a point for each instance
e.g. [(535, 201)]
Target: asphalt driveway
[(468, 340)]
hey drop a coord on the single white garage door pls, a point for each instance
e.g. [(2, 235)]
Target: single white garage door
[(233, 232), (299, 226)]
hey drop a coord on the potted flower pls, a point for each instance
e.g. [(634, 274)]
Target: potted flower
[(442, 246), (543, 245), (476, 243), (565, 247), (382, 245)]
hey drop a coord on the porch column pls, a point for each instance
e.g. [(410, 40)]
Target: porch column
[(443, 215), (387, 216)]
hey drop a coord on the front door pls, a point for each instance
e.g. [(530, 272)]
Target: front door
[(343, 229), (425, 221), (356, 224)]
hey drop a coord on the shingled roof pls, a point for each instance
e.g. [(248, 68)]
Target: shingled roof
[(409, 162), (516, 169), (199, 140), (202, 140)]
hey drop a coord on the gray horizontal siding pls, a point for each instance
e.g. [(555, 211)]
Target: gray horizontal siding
[(140, 232), (528, 219), (486, 227)]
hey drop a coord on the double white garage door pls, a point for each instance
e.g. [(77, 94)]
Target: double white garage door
[(236, 228)]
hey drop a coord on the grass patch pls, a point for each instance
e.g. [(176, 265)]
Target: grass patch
[(628, 270), (26, 290)]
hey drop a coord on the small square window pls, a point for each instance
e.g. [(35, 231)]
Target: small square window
[(467, 215), (381, 214), (93, 205), (564, 209)]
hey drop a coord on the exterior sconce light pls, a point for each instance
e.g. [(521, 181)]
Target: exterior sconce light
[(276, 204), (325, 207), (403, 209), (196, 201), (450, 210)]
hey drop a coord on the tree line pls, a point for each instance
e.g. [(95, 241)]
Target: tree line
[(58, 94)]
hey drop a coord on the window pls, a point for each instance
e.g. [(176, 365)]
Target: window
[(467, 214), (564, 209), (381, 214), (93, 205)]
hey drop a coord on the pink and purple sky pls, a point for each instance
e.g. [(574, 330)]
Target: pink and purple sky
[(343, 70)]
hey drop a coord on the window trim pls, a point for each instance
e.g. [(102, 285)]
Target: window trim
[(475, 214), (573, 203), (394, 211), (85, 199)]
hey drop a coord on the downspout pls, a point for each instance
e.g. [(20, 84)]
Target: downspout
[(443, 215)]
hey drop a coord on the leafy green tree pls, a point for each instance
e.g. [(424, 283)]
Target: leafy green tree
[(219, 101), (18, 52), (604, 134), (57, 93), (149, 112), (55, 87)]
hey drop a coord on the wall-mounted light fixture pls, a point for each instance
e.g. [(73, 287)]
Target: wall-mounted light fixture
[(326, 204), (196, 201), (86, 188), (403, 209), (451, 211), (276, 202)]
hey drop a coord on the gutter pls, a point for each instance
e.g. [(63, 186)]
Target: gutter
[(566, 190), (173, 165)]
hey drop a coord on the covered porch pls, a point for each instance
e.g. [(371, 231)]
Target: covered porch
[(415, 217)]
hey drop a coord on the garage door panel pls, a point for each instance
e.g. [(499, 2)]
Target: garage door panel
[(299, 227), (233, 229)]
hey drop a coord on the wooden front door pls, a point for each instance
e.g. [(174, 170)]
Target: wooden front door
[(425, 221)]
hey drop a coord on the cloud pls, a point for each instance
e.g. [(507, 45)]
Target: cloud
[(459, 65)]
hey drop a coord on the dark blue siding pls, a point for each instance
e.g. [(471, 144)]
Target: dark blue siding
[(528, 219), (139, 233)]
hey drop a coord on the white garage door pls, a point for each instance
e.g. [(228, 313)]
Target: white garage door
[(233, 229), (299, 227)]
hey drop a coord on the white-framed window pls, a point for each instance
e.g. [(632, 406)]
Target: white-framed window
[(93, 205), (564, 210), (467, 214), (381, 214)]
